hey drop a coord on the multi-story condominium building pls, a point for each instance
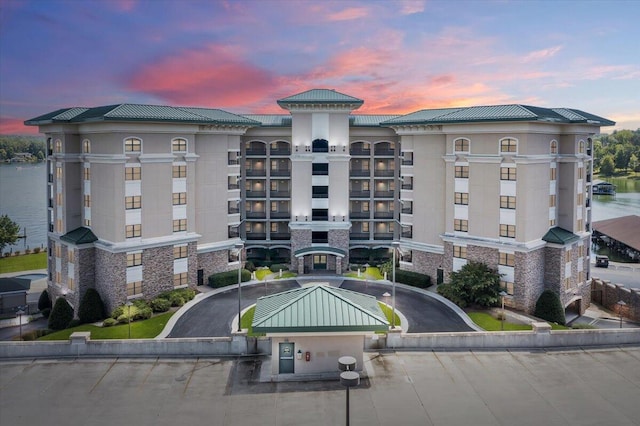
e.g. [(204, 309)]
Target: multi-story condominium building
[(147, 198)]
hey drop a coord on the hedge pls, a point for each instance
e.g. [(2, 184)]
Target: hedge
[(224, 279), (411, 278), (549, 307), (91, 307), (61, 315), (276, 267)]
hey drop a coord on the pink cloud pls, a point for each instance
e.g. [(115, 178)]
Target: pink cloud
[(348, 14), (543, 54), (214, 75), (409, 7), (14, 126)]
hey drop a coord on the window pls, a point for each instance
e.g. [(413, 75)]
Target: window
[(462, 171), (179, 225), (580, 276), (134, 202), (507, 173), (365, 206), (180, 252), (59, 198), (554, 147), (552, 175), (179, 279), (179, 145), (320, 192), (581, 147), (461, 225), (87, 200), (507, 286), (58, 277), (58, 145), (580, 199), (365, 226), (508, 145), (86, 173), (87, 222), (274, 226), (508, 231), (552, 200), (132, 145), (179, 171), (567, 283), (86, 146), (71, 255), (320, 145), (461, 145), (133, 231), (580, 172), (71, 284), (460, 252), (320, 169), (59, 227), (552, 222), (462, 198), (507, 202), (132, 173), (507, 259), (59, 172), (134, 288), (580, 225), (179, 198), (134, 259)]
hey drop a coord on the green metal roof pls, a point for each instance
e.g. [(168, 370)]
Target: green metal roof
[(270, 120), (139, 112), (13, 284), (318, 308), (320, 96), (320, 249), (369, 120), (498, 113), (80, 235), (558, 235)]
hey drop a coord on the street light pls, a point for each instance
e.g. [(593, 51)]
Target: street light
[(395, 246), (129, 304), (348, 377), (620, 304), (239, 247), (20, 313), (502, 296)]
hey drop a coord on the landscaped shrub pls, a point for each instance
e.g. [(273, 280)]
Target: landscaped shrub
[(74, 323), (46, 312), (115, 314), (186, 293), (227, 278), (61, 315), (91, 307), (36, 250), (160, 305), (123, 319), (411, 278), (549, 307), (109, 322), (276, 267), (176, 299), (34, 334), (474, 284), (44, 302), (249, 266), (142, 313)]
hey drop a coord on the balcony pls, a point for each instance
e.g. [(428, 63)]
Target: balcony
[(359, 194), (407, 162), (233, 186), (407, 186), (359, 236), (256, 172), (384, 152), (233, 210), (359, 215), (50, 227), (256, 236), (360, 151), (280, 172), (280, 236), (408, 233), (50, 180), (256, 194), (360, 172), (407, 210), (383, 215), (281, 151), (280, 215), (256, 215), (280, 194), (233, 233), (384, 173), (383, 194), (383, 235), (260, 151), (50, 202)]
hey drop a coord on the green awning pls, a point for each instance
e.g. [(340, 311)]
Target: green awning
[(558, 235), (80, 235)]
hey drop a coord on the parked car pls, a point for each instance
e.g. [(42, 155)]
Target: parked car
[(602, 262)]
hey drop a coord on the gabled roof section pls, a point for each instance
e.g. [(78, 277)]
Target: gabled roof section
[(559, 235), (79, 236), (495, 113), (318, 308), (369, 120), (317, 96), (625, 229), (139, 112), (12, 285), (270, 120)]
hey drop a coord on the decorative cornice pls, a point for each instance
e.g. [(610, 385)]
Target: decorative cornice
[(146, 243), (494, 243), (106, 158), (156, 158)]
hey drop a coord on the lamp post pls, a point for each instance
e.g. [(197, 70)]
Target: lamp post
[(129, 304), (502, 295), (239, 247), (20, 313), (395, 245), (348, 377), (620, 304)]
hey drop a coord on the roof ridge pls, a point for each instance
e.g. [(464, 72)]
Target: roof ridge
[(351, 302)]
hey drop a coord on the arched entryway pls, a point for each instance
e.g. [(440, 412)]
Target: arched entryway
[(320, 260)]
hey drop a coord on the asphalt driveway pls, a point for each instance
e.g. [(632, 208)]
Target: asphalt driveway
[(212, 317)]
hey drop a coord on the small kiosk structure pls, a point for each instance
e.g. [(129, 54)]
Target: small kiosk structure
[(312, 327)]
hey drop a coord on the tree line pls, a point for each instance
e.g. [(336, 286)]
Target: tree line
[(11, 145), (619, 151)]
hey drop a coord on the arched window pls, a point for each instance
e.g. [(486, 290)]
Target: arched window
[(461, 145), (179, 145), (581, 147), (133, 145), (320, 145), (86, 146), (554, 147), (58, 145), (508, 146)]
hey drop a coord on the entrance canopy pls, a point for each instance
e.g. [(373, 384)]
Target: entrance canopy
[(320, 250), (318, 308)]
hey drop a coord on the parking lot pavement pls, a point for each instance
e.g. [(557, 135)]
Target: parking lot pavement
[(412, 388)]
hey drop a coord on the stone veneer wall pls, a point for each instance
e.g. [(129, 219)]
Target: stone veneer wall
[(608, 295), (447, 260), (488, 256), (339, 238), (212, 262), (111, 278), (300, 238), (84, 272), (553, 269), (192, 264), (157, 272), (426, 263), (529, 280)]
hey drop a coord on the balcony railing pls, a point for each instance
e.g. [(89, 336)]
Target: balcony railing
[(359, 235), (383, 235), (384, 152), (383, 215), (407, 210), (360, 151), (233, 210), (280, 215), (359, 194), (50, 178), (280, 236), (233, 186), (256, 151), (280, 194), (360, 215), (407, 186), (254, 172), (256, 236), (280, 151), (407, 162), (233, 161), (256, 215), (360, 172), (50, 202), (384, 173), (256, 194), (407, 234), (233, 233), (383, 194), (280, 172)]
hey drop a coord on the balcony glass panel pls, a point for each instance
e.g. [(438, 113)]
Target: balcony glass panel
[(360, 215), (256, 236), (383, 235), (256, 194), (280, 236)]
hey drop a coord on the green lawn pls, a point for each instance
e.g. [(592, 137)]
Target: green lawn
[(490, 323), (25, 262), (147, 329), (387, 311), (262, 273), (247, 319), (371, 273)]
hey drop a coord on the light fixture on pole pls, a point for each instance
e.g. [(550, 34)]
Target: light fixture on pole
[(621, 305), (502, 296), (348, 377), (239, 247), (129, 304), (20, 313), (394, 246)]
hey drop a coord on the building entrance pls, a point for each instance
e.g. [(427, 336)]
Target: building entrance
[(320, 262), (285, 358)]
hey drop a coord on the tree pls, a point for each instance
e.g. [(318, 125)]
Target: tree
[(91, 307), (61, 315), (607, 166), (634, 164), (8, 232), (474, 283), (549, 307)]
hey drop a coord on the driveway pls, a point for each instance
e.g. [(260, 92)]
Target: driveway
[(212, 317)]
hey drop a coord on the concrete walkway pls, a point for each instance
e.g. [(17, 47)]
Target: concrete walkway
[(598, 387)]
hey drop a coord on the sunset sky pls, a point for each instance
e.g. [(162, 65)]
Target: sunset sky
[(241, 56)]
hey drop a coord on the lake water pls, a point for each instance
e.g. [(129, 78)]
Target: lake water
[(23, 197)]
